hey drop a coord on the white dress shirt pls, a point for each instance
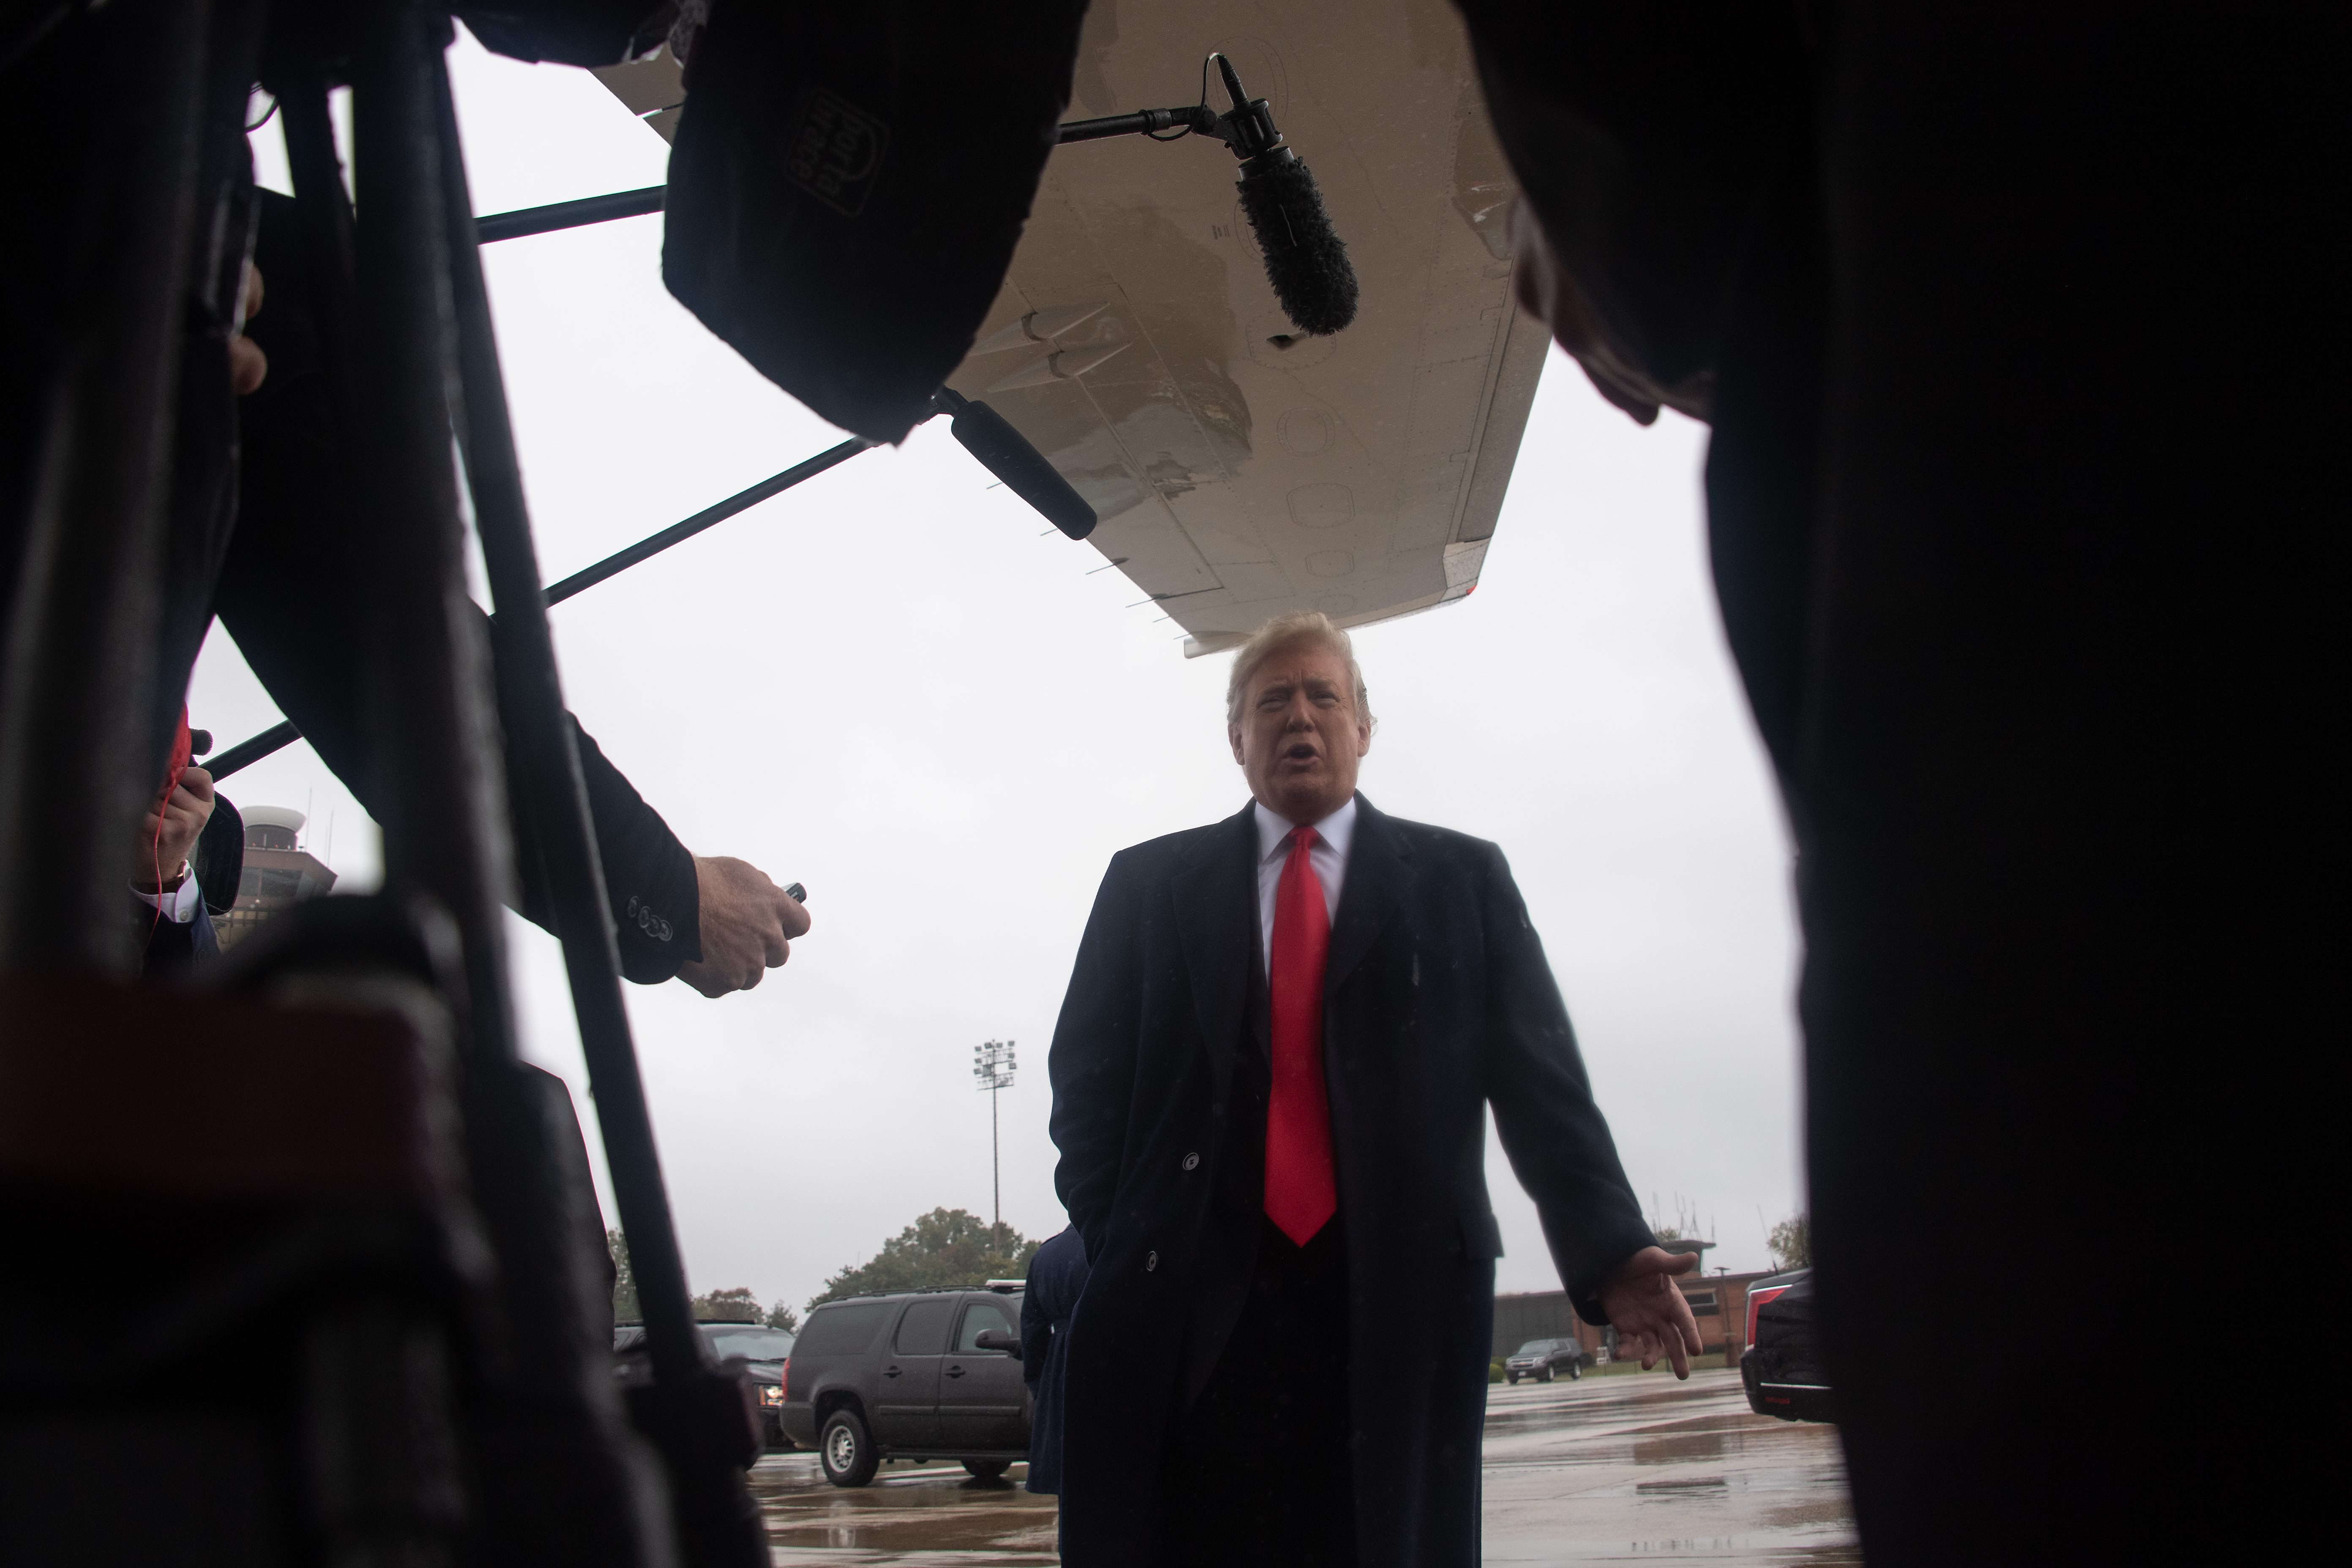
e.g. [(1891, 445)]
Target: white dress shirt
[(178, 906), (1329, 857)]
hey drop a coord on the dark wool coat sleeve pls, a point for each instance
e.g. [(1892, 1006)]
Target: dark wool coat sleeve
[(1558, 1142), (1092, 1063), (174, 947)]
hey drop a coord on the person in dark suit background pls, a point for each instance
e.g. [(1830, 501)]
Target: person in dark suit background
[(167, 898), (1271, 1078), (1057, 1275)]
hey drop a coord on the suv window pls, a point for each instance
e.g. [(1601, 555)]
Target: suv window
[(751, 1343), (924, 1330), (842, 1330), (978, 1319)]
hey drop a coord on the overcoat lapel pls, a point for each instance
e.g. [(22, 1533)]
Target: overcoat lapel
[(1369, 896), (1216, 918)]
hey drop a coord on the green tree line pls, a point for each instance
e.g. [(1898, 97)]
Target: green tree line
[(943, 1248), (735, 1304)]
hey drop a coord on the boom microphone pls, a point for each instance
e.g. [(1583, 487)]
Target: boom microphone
[(1305, 260)]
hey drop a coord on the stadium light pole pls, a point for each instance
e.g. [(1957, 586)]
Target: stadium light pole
[(991, 1069)]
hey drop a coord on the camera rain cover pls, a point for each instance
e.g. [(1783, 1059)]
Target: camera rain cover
[(848, 184)]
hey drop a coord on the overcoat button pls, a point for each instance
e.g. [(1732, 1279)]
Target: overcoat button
[(1151, 1261), (1191, 1161)]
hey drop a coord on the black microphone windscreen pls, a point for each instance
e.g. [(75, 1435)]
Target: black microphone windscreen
[(1305, 260), (1006, 453)]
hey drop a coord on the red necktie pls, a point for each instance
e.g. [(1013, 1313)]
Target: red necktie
[(1300, 1191)]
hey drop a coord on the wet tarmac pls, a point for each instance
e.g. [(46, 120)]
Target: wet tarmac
[(1640, 1467), (1629, 1468), (909, 1514)]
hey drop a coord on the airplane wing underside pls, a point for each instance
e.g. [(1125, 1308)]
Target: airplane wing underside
[(1242, 470)]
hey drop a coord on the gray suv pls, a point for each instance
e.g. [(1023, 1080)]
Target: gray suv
[(1545, 1358), (918, 1374)]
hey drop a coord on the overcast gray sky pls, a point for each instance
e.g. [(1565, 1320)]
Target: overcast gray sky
[(895, 685)]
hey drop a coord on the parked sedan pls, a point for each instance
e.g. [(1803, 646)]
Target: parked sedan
[(1545, 1358), (1782, 1369), (763, 1350)]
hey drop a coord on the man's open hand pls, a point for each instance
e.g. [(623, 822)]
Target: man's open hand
[(1651, 1319), (747, 926), (168, 837)]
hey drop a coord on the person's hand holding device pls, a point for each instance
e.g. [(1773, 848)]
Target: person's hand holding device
[(748, 925), (168, 832)]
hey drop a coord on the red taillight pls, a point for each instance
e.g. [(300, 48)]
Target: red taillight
[(1756, 1300)]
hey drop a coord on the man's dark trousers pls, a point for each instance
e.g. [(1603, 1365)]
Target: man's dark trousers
[(1437, 1002), (1259, 1465), (1259, 1450)]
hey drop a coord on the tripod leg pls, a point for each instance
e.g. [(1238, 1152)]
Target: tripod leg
[(693, 1413), (557, 1475)]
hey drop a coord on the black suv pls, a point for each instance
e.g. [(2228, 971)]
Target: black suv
[(1782, 1369), (916, 1374), (760, 1349), (1544, 1359)]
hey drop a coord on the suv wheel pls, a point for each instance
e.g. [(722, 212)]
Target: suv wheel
[(987, 1470), (847, 1455), (1513, 1377), (1545, 1375), (1575, 1370)]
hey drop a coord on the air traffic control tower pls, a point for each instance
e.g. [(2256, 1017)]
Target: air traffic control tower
[(279, 873)]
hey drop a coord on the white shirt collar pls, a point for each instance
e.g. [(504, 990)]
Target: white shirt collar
[(1337, 830)]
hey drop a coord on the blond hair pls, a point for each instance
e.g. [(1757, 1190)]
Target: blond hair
[(1308, 626)]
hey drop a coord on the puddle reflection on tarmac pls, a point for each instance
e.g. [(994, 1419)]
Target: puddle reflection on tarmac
[(1607, 1468)]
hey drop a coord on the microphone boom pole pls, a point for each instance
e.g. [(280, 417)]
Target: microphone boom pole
[(279, 736), (999, 448)]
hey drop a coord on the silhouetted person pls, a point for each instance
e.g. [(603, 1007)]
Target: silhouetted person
[(263, 531), (2022, 501)]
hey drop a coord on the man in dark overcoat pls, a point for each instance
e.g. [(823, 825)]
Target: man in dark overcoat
[(1271, 1078)]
